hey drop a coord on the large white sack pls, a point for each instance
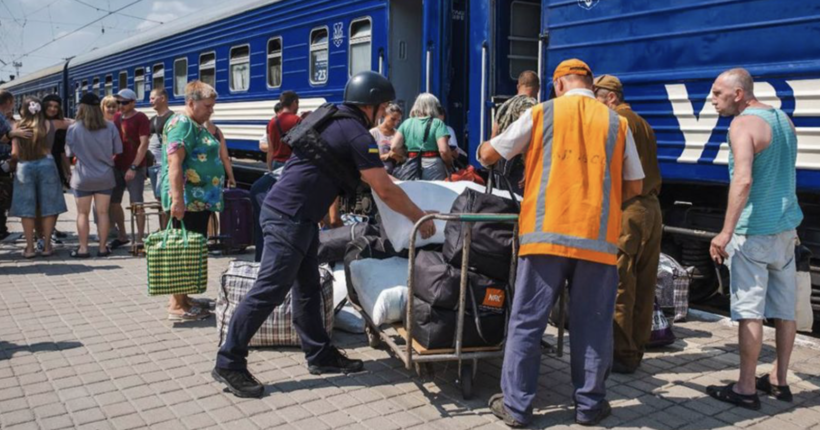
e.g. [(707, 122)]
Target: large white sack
[(429, 196), (381, 286)]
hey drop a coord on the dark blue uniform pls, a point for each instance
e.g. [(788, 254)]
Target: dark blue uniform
[(290, 216)]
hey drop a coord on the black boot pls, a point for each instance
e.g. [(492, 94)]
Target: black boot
[(335, 361), (240, 382)]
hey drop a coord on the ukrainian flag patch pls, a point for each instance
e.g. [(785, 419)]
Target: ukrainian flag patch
[(373, 149)]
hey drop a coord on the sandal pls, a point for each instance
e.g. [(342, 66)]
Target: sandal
[(193, 314), (29, 255), (77, 254), (780, 392), (116, 243), (202, 302), (47, 254), (105, 253), (727, 394)]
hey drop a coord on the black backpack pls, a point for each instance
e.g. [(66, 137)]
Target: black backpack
[(306, 140)]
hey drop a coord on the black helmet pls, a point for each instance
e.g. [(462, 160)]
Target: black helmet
[(369, 88)]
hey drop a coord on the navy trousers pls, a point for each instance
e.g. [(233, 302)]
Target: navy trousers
[(592, 290), (288, 260)]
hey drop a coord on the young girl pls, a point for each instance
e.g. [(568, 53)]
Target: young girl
[(384, 135), (36, 181)]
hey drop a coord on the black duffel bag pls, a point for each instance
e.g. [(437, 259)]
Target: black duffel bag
[(360, 249), (333, 242), (439, 284), (491, 246), (435, 328)]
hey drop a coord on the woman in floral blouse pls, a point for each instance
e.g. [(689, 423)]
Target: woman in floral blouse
[(193, 174)]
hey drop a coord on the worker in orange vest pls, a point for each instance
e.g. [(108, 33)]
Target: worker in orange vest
[(581, 163)]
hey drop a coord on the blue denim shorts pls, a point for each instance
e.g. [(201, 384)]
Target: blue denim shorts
[(78, 193), (37, 184), (763, 281)]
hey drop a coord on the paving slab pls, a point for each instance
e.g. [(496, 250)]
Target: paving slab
[(82, 345)]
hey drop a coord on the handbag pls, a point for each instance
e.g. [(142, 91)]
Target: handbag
[(410, 170), (177, 262)]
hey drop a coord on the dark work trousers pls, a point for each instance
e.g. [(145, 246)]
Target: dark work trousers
[(259, 190), (196, 222), (640, 250), (288, 260), (539, 282)]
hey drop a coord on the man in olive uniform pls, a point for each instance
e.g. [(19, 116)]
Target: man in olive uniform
[(640, 242)]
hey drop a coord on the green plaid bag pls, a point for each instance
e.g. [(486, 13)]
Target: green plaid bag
[(177, 262)]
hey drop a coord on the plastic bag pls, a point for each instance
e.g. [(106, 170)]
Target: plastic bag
[(662, 334), (381, 287)]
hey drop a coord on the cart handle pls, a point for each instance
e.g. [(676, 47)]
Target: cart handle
[(465, 217)]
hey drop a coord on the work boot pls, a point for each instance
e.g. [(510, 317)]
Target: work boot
[(499, 410), (622, 368), (335, 361), (605, 411), (239, 382)]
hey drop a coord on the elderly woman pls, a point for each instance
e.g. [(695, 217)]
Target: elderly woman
[(193, 174), (423, 136)]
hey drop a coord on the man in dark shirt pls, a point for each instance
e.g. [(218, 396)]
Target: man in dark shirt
[(290, 216), (278, 152)]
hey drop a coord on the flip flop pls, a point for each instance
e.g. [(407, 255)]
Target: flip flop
[(727, 394), (116, 243), (77, 254), (104, 254), (192, 314), (29, 256)]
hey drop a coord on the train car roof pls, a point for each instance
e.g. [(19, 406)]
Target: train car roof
[(42, 73), (172, 28)]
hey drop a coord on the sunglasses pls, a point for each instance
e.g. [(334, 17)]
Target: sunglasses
[(124, 102)]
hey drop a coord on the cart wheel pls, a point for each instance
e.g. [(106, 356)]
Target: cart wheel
[(466, 381), (373, 339)]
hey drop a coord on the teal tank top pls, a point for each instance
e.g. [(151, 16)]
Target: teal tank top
[(772, 206)]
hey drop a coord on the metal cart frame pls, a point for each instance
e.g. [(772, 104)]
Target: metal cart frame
[(467, 360)]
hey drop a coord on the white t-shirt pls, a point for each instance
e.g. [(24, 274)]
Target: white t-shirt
[(453, 143), (516, 138)]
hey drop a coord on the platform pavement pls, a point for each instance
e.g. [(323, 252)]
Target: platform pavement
[(82, 345)]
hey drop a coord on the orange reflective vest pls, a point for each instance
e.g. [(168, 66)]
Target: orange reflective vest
[(574, 174)]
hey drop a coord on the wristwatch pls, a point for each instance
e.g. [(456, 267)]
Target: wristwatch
[(133, 167)]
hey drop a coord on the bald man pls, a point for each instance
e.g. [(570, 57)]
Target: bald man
[(759, 235)]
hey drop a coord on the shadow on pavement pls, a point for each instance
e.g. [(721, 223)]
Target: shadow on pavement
[(53, 269), (9, 349)]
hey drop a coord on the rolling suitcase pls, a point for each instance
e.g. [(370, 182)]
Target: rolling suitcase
[(236, 221)]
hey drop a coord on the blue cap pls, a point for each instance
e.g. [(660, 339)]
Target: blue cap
[(126, 94)]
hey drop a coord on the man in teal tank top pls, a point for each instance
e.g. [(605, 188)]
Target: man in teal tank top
[(758, 236)]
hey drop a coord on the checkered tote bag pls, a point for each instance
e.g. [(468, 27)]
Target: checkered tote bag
[(277, 330), (177, 262)]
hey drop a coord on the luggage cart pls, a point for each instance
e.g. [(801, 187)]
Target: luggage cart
[(148, 210), (400, 339)]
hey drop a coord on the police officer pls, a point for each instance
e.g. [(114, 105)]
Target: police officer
[(290, 216), (640, 243), (580, 155)]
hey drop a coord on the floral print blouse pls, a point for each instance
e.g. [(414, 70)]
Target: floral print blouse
[(203, 171)]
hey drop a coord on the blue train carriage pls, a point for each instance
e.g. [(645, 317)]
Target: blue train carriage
[(668, 54), (38, 84)]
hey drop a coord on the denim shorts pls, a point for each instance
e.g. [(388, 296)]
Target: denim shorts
[(37, 184), (155, 176), (78, 193), (135, 186), (762, 276)]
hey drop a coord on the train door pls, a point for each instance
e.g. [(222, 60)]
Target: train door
[(517, 25), (405, 53)]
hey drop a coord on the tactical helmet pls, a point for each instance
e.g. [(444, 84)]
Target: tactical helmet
[(369, 88)]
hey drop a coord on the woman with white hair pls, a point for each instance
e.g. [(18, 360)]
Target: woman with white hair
[(192, 178), (425, 140)]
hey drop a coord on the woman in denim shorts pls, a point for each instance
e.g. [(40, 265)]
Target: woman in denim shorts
[(36, 180), (94, 142)]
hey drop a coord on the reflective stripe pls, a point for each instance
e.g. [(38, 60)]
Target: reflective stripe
[(546, 163), (569, 241), (611, 140)]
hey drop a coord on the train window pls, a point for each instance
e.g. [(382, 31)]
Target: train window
[(275, 62), (525, 23), (180, 76), (123, 81), (360, 37), (84, 88), (318, 56), (109, 85), (158, 76), (207, 68), (139, 83), (77, 93), (95, 86), (240, 67)]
